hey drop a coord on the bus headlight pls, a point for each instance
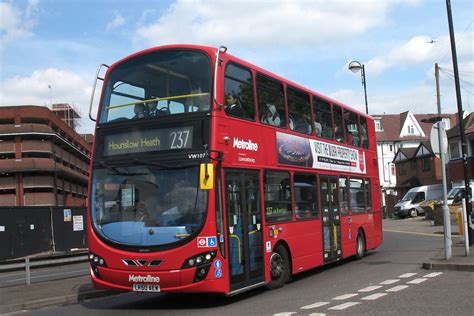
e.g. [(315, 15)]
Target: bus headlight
[(199, 260), (96, 260)]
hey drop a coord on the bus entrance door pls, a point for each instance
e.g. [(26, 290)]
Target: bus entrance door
[(244, 228), (331, 218)]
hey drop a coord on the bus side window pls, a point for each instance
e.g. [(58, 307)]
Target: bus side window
[(304, 192), (338, 124), (300, 111), (277, 188), (368, 195), (271, 103), (322, 119), (352, 128), (363, 133), (343, 194), (239, 92)]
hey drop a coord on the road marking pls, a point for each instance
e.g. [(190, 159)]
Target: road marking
[(388, 282), (373, 296), (317, 314), (318, 304), (370, 288), (417, 281), (345, 296), (284, 314), (407, 275), (397, 288), (344, 306), (413, 233), (433, 274)]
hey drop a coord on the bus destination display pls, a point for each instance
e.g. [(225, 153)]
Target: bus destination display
[(148, 140)]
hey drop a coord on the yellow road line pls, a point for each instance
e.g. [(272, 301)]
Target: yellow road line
[(413, 233)]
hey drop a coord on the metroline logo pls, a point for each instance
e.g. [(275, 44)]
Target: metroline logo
[(145, 279), (246, 145)]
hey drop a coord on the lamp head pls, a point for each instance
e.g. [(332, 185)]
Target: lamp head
[(355, 66)]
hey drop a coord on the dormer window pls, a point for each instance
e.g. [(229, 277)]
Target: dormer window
[(411, 130), (378, 125)]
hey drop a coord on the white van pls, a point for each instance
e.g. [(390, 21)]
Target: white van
[(410, 204)]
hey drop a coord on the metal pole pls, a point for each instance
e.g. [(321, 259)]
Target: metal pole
[(470, 232), (365, 89), (446, 217), (27, 268)]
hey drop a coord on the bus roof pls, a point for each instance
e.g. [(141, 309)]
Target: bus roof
[(211, 51)]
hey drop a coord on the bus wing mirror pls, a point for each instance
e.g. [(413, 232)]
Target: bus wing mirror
[(206, 176)]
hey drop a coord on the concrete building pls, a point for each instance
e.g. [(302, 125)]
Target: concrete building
[(43, 160), (395, 131)]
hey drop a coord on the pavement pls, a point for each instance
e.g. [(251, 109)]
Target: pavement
[(76, 289)]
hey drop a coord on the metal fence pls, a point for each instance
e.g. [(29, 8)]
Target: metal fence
[(25, 231)]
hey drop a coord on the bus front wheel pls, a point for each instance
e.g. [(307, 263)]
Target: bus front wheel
[(279, 267)]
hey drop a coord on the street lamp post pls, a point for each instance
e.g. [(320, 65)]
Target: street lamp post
[(356, 66)]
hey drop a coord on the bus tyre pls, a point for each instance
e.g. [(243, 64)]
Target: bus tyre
[(279, 267), (360, 250), (413, 212)]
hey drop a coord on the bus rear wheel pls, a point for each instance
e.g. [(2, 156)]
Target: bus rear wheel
[(279, 267), (360, 246)]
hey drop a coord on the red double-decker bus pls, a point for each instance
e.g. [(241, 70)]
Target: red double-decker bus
[(210, 174)]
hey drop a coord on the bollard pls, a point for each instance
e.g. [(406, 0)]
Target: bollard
[(27, 268), (460, 222)]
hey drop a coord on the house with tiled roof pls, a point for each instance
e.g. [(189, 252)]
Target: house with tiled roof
[(416, 167), (455, 165), (395, 131)]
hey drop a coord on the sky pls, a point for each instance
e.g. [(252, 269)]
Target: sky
[(50, 49)]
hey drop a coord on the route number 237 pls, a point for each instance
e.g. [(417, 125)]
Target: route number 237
[(179, 140)]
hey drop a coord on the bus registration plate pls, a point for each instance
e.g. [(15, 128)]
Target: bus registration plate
[(146, 288)]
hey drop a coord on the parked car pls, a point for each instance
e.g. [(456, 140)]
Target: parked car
[(456, 194), (409, 205)]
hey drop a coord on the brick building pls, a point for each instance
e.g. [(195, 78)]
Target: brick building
[(43, 160), (455, 165), (416, 167)]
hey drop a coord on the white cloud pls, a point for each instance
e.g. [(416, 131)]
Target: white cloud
[(15, 23), (66, 87), (263, 24), (419, 50), (116, 22)]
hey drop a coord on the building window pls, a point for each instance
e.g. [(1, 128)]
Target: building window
[(454, 150), (411, 130), (401, 169), (392, 167), (378, 125), (413, 164), (447, 123), (391, 148), (426, 163)]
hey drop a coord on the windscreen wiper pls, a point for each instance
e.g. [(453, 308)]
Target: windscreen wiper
[(119, 173), (149, 163)]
